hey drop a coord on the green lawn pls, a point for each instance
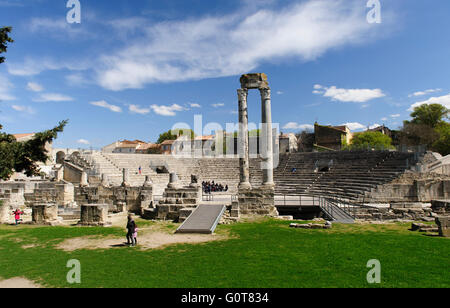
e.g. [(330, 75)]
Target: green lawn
[(258, 254)]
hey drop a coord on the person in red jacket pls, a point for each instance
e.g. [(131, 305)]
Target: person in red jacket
[(17, 214)]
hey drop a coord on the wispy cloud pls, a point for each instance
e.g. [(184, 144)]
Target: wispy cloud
[(104, 104), (25, 109), (421, 93), (83, 141), (52, 97), (33, 66), (5, 89), (348, 95), (35, 87), (139, 110), (235, 43), (443, 100), (168, 111), (193, 105), (218, 105), (297, 126)]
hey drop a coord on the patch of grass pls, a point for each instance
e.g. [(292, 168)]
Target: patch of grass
[(262, 253)]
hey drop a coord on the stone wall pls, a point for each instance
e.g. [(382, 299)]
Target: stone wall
[(258, 201), (135, 198), (419, 191), (72, 173), (401, 210), (58, 193), (441, 207)]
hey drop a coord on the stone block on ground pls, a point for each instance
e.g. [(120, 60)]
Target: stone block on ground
[(443, 223)]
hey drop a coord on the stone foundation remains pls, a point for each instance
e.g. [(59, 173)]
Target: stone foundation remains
[(45, 214), (177, 201), (94, 215), (259, 201), (443, 224)]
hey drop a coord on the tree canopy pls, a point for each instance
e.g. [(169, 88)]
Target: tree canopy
[(23, 156), (4, 40), (428, 127), (370, 139), (174, 134), (430, 115)]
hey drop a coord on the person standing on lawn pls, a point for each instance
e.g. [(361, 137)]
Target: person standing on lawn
[(17, 214), (131, 227)]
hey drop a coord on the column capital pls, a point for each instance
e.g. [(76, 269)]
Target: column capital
[(265, 93)]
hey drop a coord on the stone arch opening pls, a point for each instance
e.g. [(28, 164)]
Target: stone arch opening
[(60, 157)]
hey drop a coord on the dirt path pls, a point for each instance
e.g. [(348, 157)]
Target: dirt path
[(18, 283), (145, 241)]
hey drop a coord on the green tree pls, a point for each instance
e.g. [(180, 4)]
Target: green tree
[(4, 40), (22, 156), (442, 144), (430, 115), (174, 134), (369, 139), (428, 127)]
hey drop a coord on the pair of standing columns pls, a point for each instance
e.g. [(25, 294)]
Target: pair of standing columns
[(266, 142)]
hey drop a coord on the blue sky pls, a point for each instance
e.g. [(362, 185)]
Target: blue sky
[(133, 69)]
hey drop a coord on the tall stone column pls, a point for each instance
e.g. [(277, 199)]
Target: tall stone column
[(244, 164), (266, 138), (125, 177)]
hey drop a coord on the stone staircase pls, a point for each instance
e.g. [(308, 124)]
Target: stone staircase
[(350, 176)]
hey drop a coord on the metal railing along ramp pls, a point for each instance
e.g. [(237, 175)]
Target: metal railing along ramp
[(203, 220)]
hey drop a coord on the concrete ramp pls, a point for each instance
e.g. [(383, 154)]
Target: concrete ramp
[(203, 220)]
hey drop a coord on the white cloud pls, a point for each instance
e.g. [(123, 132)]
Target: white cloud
[(395, 116), (35, 87), (350, 95), (421, 93), (384, 119), (34, 66), (355, 126), (218, 105), (235, 43), (104, 104), (443, 100), (280, 92), (83, 141), (52, 97), (25, 109), (5, 88), (168, 111), (297, 126), (374, 126), (138, 109), (76, 79), (195, 105)]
